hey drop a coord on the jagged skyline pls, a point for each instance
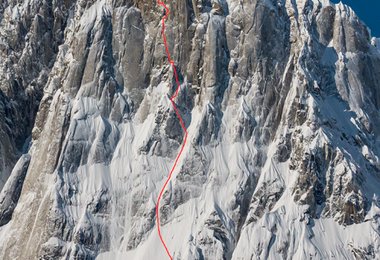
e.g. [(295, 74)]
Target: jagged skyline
[(368, 11), (279, 101)]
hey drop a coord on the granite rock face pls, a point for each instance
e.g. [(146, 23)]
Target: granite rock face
[(281, 99), (11, 191)]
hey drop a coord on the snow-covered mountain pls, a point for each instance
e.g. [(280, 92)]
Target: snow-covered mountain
[(281, 99)]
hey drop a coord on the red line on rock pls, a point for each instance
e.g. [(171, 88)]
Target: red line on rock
[(164, 18)]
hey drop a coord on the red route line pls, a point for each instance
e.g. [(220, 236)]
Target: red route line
[(167, 11)]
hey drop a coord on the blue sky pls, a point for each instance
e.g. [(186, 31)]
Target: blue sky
[(368, 11)]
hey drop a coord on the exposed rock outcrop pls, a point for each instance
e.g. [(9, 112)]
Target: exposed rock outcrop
[(281, 100)]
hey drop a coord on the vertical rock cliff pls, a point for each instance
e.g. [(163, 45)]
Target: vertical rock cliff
[(281, 99)]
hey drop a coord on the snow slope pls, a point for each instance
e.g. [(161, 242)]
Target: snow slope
[(281, 99)]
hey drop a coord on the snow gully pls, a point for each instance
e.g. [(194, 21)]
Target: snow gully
[(178, 86)]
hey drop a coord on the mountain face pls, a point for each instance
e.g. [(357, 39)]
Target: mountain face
[(281, 99)]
